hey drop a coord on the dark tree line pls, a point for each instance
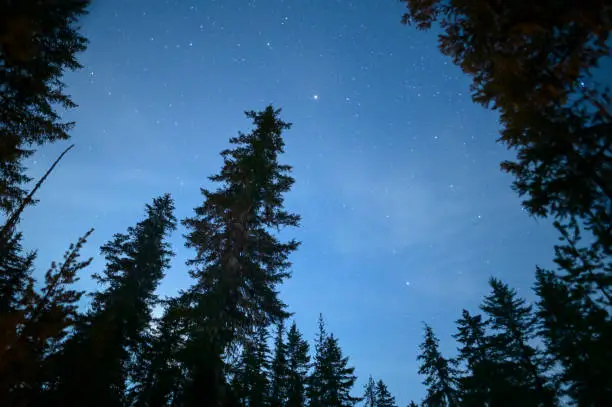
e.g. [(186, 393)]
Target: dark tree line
[(536, 64), (224, 340)]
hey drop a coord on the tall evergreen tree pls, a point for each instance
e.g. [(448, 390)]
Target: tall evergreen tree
[(412, 404), (474, 353), (279, 370), (577, 334), (338, 377), (35, 323), (239, 262), (369, 393), (316, 384), (514, 327), (39, 40), (331, 379), (383, 395), (252, 383), (440, 375), (158, 372), (115, 326), (298, 361)]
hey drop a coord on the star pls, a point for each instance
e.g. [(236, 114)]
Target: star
[(315, 97)]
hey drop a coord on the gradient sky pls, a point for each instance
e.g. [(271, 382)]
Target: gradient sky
[(405, 211)]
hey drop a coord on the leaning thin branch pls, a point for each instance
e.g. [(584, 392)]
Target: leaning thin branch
[(12, 220)]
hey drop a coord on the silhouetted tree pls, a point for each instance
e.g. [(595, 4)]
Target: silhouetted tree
[(331, 379), (34, 322), (158, 372), (252, 383), (383, 396), (297, 367), (39, 40), (412, 404), (99, 357), (440, 375), (369, 393), (577, 334), (238, 262), (279, 370), (514, 328)]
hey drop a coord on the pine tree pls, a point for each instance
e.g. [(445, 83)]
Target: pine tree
[(35, 323), (297, 367), (316, 384), (279, 370), (239, 262), (383, 396), (38, 42), (440, 375), (369, 393), (251, 383), (15, 273), (577, 334), (331, 378), (413, 404), (514, 327), (158, 371), (112, 331)]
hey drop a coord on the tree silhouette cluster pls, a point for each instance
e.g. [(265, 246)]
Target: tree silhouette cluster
[(223, 341), (536, 64)]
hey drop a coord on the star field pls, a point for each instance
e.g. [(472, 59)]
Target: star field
[(405, 211)]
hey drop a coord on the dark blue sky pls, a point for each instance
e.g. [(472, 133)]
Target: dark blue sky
[(405, 211)]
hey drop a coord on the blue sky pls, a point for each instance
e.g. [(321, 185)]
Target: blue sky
[(405, 211)]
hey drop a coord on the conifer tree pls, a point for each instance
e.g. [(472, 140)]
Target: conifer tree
[(481, 375), (39, 40), (514, 327), (251, 383), (383, 396), (111, 332), (440, 374), (279, 370), (413, 404), (577, 334), (35, 323), (316, 384), (158, 371), (239, 262), (331, 379), (298, 361), (369, 393)]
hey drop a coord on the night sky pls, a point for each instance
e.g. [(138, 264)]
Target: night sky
[(405, 211)]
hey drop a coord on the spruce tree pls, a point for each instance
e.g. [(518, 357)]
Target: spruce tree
[(383, 396), (577, 334), (412, 404), (369, 393), (440, 374), (316, 384), (114, 328), (298, 361), (35, 323), (157, 376), (251, 383), (239, 262), (39, 41), (279, 370), (514, 328), (331, 379)]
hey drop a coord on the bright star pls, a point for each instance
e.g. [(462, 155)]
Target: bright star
[(315, 97)]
